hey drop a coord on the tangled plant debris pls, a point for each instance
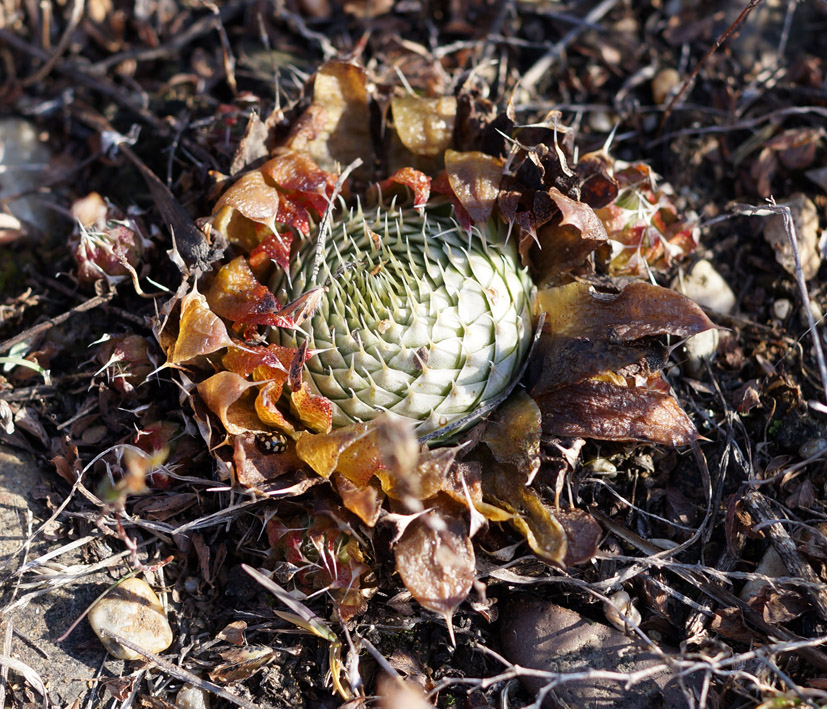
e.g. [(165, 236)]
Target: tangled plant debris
[(375, 353)]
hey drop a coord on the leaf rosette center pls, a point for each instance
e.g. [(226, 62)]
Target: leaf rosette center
[(421, 319)]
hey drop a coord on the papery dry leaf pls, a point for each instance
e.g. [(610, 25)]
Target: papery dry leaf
[(342, 117), (267, 406), (365, 502), (424, 125), (475, 180), (253, 467), (314, 411), (513, 434), (200, 331), (228, 396), (428, 477), (607, 411), (639, 310), (322, 451), (241, 663), (252, 146), (251, 198), (435, 559), (505, 488), (598, 187)]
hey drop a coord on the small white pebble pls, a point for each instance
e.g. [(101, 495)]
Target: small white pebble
[(133, 611), (781, 308), (190, 697)]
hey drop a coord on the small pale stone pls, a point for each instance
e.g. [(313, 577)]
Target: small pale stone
[(190, 697), (781, 308), (707, 288), (133, 611), (698, 349), (663, 83)]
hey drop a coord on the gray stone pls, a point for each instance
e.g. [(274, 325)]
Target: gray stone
[(190, 697), (133, 611), (544, 636), (23, 158)]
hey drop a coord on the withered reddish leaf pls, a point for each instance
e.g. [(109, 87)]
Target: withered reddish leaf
[(436, 565), (639, 310), (579, 215), (266, 362), (365, 502), (583, 534), (505, 488), (475, 180), (251, 197), (237, 295), (597, 187), (275, 247), (796, 147), (297, 173), (424, 125), (416, 180), (343, 130), (228, 396), (513, 434), (606, 411), (200, 331), (253, 467)]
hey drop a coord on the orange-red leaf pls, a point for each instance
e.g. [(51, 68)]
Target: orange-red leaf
[(416, 180), (275, 247)]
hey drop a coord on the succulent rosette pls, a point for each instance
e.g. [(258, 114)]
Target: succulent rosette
[(384, 291), (421, 319)]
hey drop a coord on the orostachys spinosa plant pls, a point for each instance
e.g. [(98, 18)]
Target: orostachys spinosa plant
[(421, 318)]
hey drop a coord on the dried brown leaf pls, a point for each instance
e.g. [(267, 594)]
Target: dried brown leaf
[(608, 411), (435, 559), (475, 179), (200, 331)]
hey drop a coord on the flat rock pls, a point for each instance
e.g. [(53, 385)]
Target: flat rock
[(544, 636), (133, 611)]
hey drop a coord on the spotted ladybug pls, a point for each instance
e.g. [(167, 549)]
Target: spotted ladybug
[(271, 442)]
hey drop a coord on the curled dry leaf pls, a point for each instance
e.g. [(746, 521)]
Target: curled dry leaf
[(247, 202), (563, 243), (425, 125), (435, 559), (229, 397), (200, 331)]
